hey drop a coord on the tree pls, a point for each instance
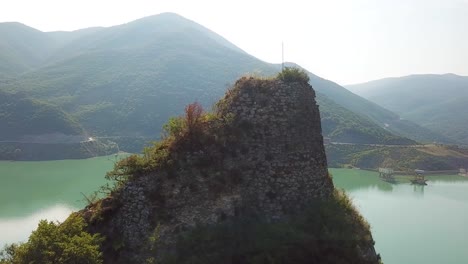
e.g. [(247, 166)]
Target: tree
[(55, 243)]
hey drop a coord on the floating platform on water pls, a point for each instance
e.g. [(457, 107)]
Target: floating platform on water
[(386, 174), (419, 178), (419, 181)]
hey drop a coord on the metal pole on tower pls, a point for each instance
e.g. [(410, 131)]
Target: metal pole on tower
[(282, 56)]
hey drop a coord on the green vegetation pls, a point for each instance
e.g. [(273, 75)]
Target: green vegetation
[(437, 102), (327, 232), (54, 243), (195, 130), (293, 74)]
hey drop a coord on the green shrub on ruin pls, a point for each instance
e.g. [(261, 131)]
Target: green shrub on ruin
[(292, 74)]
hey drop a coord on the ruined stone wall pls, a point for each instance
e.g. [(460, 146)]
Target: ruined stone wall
[(276, 167), (286, 166)]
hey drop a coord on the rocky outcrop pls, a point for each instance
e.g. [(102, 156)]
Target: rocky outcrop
[(262, 156)]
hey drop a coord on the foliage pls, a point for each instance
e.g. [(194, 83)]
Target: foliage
[(193, 118), (293, 74), (54, 243), (181, 134), (327, 232), (174, 127)]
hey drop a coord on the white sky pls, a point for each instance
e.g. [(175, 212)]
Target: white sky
[(347, 41)]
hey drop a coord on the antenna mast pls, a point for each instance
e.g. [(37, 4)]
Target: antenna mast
[(282, 56)]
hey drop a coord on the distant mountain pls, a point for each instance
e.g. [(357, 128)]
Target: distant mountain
[(21, 48), (437, 102), (382, 117), (126, 80)]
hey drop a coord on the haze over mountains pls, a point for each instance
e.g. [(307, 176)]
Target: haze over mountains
[(437, 102), (127, 80)]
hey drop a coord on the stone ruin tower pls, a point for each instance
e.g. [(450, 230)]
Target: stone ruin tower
[(284, 162), (277, 161)]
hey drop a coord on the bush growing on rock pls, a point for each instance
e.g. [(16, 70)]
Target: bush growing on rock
[(289, 74)]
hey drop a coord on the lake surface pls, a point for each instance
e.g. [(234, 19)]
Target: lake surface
[(31, 191), (410, 224)]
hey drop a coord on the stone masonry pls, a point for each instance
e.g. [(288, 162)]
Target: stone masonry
[(278, 166)]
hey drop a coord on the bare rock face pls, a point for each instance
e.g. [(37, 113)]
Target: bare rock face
[(265, 157)]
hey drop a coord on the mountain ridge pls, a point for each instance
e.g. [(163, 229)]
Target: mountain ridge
[(126, 80), (435, 101)]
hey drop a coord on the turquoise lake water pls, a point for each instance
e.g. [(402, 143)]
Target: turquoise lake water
[(410, 224)]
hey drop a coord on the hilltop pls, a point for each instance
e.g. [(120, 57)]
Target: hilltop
[(247, 183)]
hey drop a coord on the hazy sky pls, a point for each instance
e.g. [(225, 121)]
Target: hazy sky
[(347, 41)]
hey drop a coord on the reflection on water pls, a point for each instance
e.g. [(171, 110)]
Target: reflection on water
[(26, 187), (19, 228), (30, 191), (418, 189)]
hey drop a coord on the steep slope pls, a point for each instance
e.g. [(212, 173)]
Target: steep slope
[(124, 81), (437, 102)]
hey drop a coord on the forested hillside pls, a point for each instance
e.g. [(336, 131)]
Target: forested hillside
[(20, 116), (125, 81), (437, 102)]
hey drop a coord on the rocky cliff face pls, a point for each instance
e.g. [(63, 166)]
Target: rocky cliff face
[(285, 164), (259, 155)]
